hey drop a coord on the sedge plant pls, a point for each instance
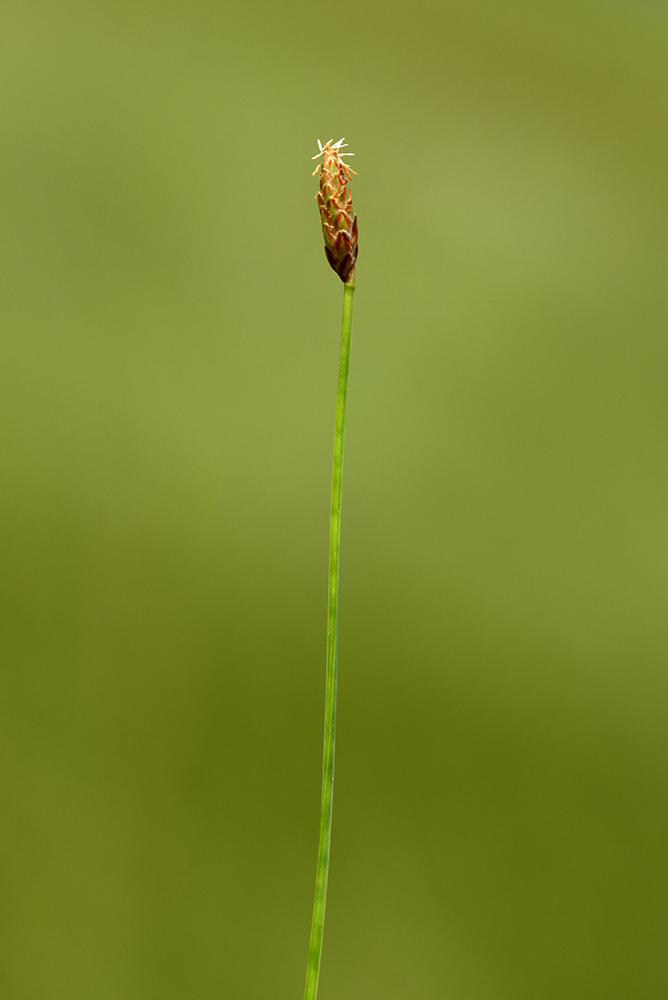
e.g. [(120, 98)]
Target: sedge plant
[(339, 228)]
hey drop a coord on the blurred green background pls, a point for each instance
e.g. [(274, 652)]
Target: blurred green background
[(169, 349)]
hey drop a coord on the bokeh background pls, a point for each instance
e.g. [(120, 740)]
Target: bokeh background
[(168, 363)]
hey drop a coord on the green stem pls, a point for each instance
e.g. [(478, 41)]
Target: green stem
[(322, 872)]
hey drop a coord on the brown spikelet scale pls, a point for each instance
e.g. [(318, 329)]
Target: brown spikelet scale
[(339, 222)]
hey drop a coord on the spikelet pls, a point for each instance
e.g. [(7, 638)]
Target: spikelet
[(339, 222)]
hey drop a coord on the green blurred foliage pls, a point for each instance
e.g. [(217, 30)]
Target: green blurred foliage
[(168, 365)]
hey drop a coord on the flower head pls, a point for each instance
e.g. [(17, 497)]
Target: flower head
[(339, 222)]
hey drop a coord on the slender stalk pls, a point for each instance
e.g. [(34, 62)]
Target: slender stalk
[(322, 871)]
